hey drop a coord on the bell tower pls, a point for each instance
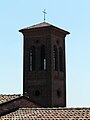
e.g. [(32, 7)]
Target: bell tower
[(44, 70)]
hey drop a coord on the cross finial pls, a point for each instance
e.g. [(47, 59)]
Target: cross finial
[(44, 15)]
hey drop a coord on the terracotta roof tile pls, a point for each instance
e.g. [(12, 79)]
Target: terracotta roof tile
[(43, 24), (6, 98), (49, 114), (14, 102), (39, 113)]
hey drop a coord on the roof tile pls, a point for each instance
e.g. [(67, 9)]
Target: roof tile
[(49, 113), (7, 98), (43, 24)]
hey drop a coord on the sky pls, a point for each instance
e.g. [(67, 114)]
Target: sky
[(70, 15)]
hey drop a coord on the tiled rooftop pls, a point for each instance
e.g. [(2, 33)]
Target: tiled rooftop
[(49, 114), (33, 112), (7, 98), (43, 24), (10, 103)]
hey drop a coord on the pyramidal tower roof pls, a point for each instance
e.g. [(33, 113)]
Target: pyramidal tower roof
[(41, 25)]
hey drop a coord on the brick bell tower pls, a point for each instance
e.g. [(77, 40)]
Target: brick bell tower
[(44, 70)]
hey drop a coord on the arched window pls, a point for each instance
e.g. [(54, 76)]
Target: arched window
[(43, 58), (55, 58), (32, 61), (61, 59)]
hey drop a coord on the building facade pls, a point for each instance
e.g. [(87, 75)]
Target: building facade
[(44, 69)]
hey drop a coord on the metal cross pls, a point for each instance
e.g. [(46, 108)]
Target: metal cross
[(44, 15)]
